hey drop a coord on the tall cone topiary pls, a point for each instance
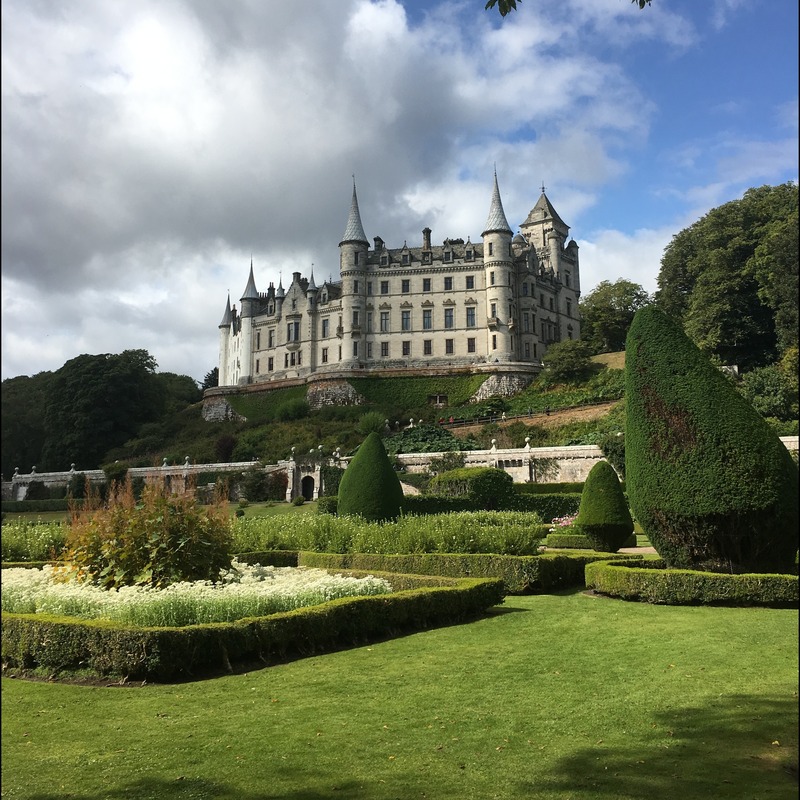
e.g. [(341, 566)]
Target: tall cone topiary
[(603, 515), (710, 482), (370, 487)]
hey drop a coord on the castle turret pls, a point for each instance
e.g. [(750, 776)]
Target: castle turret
[(249, 300), (280, 294), (498, 266), (224, 344), (353, 251)]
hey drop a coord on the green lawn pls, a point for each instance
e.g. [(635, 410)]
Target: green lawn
[(550, 696)]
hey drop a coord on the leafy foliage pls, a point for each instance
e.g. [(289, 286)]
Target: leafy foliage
[(370, 487), (211, 379), (488, 488), (162, 540), (371, 422), (426, 439), (603, 515), (607, 312), (568, 362), (710, 483)]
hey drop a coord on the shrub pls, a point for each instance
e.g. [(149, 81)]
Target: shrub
[(603, 515), (370, 487), (488, 488), (331, 477), (575, 541), (254, 484), (327, 505), (37, 491), (446, 462), (298, 501), (371, 422), (549, 506), (292, 409), (115, 472), (77, 485), (711, 484), (165, 539)]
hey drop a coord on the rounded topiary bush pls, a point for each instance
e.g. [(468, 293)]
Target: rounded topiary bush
[(711, 484), (487, 488), (603, 516), (370, 487)]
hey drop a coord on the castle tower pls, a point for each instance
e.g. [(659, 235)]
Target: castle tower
[(224, 344), (249, 300), (498, 268), (311, 320), (352, 264)]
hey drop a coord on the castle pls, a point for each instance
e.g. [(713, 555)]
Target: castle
[(455, 307)]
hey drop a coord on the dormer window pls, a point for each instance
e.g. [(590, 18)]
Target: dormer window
[(448, 255), (384, 261), (406, 258), (468, 255)]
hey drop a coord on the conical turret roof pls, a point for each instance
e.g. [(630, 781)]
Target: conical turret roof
[(544, 210), (354, 230), (250, 292), (226, 317), (497, 222), (311, 285)]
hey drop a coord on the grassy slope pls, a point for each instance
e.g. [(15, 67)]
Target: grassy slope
[(552, 697)]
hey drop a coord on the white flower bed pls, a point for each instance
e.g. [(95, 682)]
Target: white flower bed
[(244, 591)]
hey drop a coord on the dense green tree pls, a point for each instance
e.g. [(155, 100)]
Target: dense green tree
[(607, 312), (731, 277), (567, 362), (603, 515), (772, 391), (211, 379), (23, 403), (370, 487), (177, 391), (709, 481)]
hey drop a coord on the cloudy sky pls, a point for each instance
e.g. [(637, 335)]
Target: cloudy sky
[(151, 148)]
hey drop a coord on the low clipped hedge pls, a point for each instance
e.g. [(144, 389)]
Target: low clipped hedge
[(56, 644), (29, 506), (420, 504), (549, 488), (576, 541), (520, 574), (549, 506), (652, 582)]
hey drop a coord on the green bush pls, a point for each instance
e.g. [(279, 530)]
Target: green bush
[(711, 484), (298, 501), (575, 541), (331, 477), (328, 505), (292, 410), (371, 422), (488, 488), (603, 515), (23, 540), (37, 491), (549, 488), (549, 506), (426, 504), (370, 487), (28, 506), (653, 583), (162, 540)]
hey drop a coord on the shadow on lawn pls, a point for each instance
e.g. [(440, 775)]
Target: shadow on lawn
[(737, 746), (199, 789)]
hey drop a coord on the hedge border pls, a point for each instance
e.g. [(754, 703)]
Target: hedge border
[(576, 541), (548, 572), (63, 644), (657, 584)]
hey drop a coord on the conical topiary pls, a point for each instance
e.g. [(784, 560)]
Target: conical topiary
[(710, 482), (603, 515), (370, 487)]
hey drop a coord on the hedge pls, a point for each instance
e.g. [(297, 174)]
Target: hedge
[(575, 541), (549, 506), (24, 506), (652, 582), (549, 488), (55, 644), (520, 574)]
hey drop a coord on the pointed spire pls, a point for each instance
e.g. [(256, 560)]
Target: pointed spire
[(226, 317), (250, 292), (544, 210), (354, 231), (311, 285), (280, 292), (497, 222)]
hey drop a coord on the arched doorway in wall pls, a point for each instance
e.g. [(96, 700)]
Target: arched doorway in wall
[(307, 487)]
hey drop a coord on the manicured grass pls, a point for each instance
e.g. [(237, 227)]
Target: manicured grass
[(551, 697), (275, 509)]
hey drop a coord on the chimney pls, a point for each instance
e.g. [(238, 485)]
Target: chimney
[(426, 239)]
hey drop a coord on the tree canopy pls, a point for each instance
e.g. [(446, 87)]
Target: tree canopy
[(607, 312), (731, 278)]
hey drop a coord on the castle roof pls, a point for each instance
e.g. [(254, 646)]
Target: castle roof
[(497, 222), (354, 230), (544, 210), (226, 317), (250, 292)]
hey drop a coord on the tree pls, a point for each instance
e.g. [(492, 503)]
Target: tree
[(506, 6), (22, 420), (211, 379), (731, 278), (607, 312), (370, 487), (711, 484), (603, 515), (567, 361)]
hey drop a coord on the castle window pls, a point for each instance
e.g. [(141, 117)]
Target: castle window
[(286, 361), (569, 308), (405, 320), (470, 316), (369, 287), (384, 321), (340, 352), (566, 279), (426, 284), (355, 258), (384, 261), (258, 366), (534, 350), (426, 258), (468, 255), (541, 300), (299, 357), (258, 342), (324, 355), (369, 349), (326, 325), (470, 281), (526, 322), (448, 284), (494, 341), (427, 319), (356, 320), (270, 364), (384, 349), (493, 310), (355, 287), (448, 256), (406, 258), (551, 303), (448, 318), (427, 347), (491, 248), (355, 349), (471, 344), (524, 289), (406, 348), (369, 322), (291, 359), (384, 287), (271, 337), (448, 347), (527, 349), (405, 286), (491, 278), (569, 332)]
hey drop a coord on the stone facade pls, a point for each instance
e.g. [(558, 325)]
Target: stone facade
[(448, 307)]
